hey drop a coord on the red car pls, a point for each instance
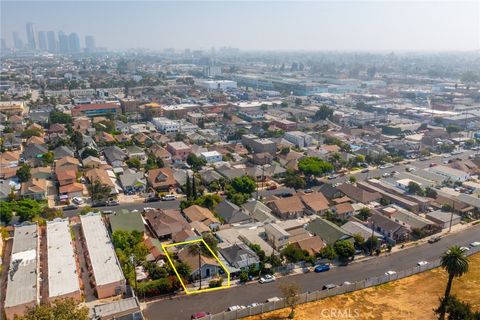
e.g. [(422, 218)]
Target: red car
[(199, 315), (272, 187)]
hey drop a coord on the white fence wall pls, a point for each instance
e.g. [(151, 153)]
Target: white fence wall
[(321, 294)]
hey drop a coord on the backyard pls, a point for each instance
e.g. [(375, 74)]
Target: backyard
[(414, 297)]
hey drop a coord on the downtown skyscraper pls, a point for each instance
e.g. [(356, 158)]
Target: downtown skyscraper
[(31, 36)]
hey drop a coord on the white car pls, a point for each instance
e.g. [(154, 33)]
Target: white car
[(390, 273), (475, 244), (169, 197), (465, 248), (422, 263), (237, 307), (78, 200), (266, 279)]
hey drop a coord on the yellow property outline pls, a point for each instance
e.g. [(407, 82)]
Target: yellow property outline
[(164, 247)]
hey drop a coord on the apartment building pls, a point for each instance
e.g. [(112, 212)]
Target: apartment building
[(165, 125), (23, 287), (104, 266), (63, 280), (299, 139), (259, 145)]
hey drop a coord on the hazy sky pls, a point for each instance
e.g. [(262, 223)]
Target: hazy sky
[(251, 25)]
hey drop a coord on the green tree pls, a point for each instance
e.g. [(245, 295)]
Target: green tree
[(328, 252), (243, 277), (188, 187), (284, 151), (59, 117), (208, 201), (244, 184), (352, 179), (364, 214), (23, 173), (293, 180), (99, 191), (431, 193), (314, 166), (324, 112), (133, 162), (298, 101), (345, 250), (359, 240), (195, 162), (77, 140), (455, 262), (48, 158), (293, 253), (414, 188), (31, 133), (452, 129), (65, 309), (194, 188), (87, 152)]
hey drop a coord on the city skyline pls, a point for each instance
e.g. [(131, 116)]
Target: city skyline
[(352, 26)]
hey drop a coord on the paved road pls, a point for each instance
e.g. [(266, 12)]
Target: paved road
[(131, 206), (166, 204), (437, 159), (217, 301)]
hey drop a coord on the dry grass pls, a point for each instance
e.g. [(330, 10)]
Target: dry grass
[(414, 297)]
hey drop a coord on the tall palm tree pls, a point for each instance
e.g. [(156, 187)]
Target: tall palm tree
[(455, 262)]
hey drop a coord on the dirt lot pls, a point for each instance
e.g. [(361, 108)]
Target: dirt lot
[(410, 298)]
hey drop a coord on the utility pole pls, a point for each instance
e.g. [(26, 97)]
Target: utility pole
[(371, 241), (451, 217)]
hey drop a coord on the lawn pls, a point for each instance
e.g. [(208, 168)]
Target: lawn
[(414, 297)]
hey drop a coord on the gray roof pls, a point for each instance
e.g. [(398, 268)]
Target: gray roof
[(230, 212), (114, 153), (258, 211), (443, 216), (127, 221), (239, 255), (33, 150), (130, 178), (62, 152), (328, 231), (22, 283), (62, 270), (115, 308), (106, 268), (355, 227)]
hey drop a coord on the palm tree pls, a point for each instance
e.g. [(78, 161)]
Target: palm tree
[(455, 262)]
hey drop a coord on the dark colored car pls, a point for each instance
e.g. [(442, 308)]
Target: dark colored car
[(99, 204), (322, 268), (329, 286), (152, 199), (70, 207), (285, 194)]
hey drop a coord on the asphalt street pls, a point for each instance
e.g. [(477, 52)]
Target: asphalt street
[(183, 307)]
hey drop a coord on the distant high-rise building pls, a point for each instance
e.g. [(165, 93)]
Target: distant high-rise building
[(3, 44), (42, 40), (51, 41), (17, 42), (89, 43), (31, 36), (63, 46), (74, 42)]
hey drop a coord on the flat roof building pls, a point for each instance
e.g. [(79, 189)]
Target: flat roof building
[(23, 281), (62, 267), (103, 262)]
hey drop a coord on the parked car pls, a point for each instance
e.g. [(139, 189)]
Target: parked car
[(236, 307), (475, 244), (272, 187), (329, 286), (199, 315), (152, 199), (273, 299), (434, 239), (113, 202), (465, 249), (390, 273), (322, 268), (308, 191), (169, 197), (365, 171), (70, 207), (285, 194), (422, 263), (99, 204), (267, 278), (78, 200)]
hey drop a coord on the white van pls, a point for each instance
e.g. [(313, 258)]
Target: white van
[(169, 197)]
